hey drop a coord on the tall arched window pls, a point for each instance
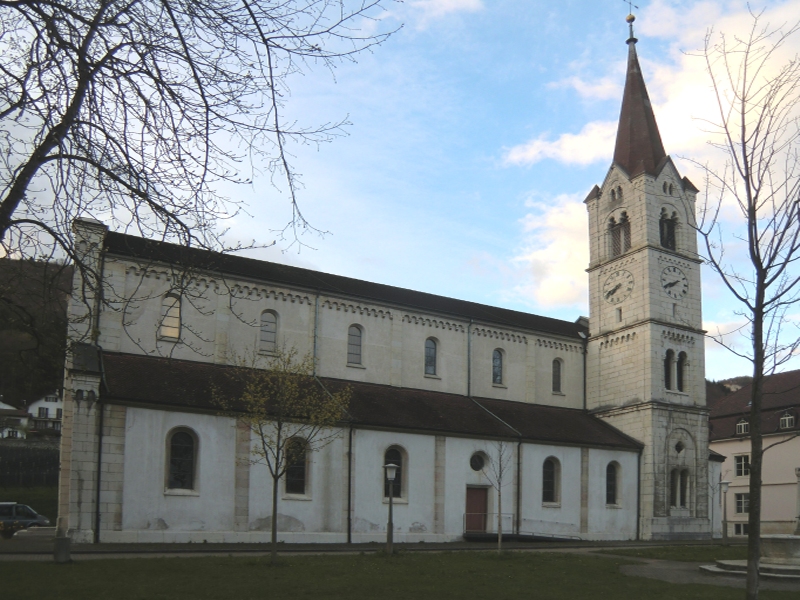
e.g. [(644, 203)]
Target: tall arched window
[(679, 488), (269, 331), (684, 488), (611, 483), (551, 481), (680, 374), (620, 232), (668, 360), (394, 456), (557, 372), (182, 448), (497, 367), (430, 356), (354, 335), (170, 326), (296, 460), (667, 229), (674, 485)]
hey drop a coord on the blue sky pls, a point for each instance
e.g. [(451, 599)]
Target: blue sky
[(477, 130)]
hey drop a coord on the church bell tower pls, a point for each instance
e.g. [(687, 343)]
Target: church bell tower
[(645, 363)]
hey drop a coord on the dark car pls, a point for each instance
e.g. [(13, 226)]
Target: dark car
[(14, 517)]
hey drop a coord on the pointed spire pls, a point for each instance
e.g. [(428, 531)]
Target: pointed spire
[(639, 148)]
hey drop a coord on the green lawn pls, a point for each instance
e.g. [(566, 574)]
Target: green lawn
[(421, 576), (44, 500), (685, 553)]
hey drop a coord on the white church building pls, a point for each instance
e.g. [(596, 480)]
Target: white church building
[(605, 418)]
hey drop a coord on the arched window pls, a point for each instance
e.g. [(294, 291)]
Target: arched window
[(620, 234), (681, 372), (668, 360), (394, 456), (430, 356), (551, 481), (497, 367), (743, 426), (679, 488), (269, 331), (354, 335), (612, 472), (296, 466), (667, 229), (674, 484), (557, 372), (170, 326), (787, 420), (182, 463)]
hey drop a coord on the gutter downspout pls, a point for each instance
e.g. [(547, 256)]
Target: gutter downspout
[(316, 324), (585, 352), (519, 485), (94, 336), (350, 485), (469, 359), (101, 408), (638, 492)]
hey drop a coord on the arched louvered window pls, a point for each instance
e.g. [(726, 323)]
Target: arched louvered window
[(170, 326), (680, 374), (268, 340), (669, 359), (667, 226), (497, 367), (182, 449), (354, 335)]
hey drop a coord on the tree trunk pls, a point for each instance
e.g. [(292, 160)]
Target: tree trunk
[(273, 553), (499, 518), (756, 455)]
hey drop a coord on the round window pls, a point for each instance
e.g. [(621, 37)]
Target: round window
[(477, 462)]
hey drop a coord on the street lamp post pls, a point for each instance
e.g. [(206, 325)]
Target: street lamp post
[(391, 472), (724, 486)]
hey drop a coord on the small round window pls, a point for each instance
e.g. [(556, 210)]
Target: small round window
[(477, 462)]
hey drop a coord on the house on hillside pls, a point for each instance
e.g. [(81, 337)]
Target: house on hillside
[(13, 422), (729, 425), (46, 414)]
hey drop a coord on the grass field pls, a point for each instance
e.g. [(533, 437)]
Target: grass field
[(421, 576), (685, 553), (44, 500)]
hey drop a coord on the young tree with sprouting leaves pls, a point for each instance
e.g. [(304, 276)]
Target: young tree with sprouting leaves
[(289, 413), (756, 252), (497, 470)]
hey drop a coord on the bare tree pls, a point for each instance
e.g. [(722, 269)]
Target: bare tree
[(290, 415), (134, 112), (496, 470), (756, 254)]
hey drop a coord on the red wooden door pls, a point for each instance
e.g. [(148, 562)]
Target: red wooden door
[(477, 503)]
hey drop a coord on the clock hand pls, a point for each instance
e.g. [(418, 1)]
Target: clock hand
[(672, 284), (613, 290)]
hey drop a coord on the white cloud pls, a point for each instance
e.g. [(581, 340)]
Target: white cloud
[(554, 254), (594, 142), (436, 9), (605, 88)]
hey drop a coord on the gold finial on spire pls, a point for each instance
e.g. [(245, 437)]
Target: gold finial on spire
[(630, 19)]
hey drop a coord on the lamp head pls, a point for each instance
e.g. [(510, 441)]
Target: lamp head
[(724, 486), (391, 471)]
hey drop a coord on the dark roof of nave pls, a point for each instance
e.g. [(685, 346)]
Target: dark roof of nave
[(261, 270), (180, 384), (781, 393), (639, 148)]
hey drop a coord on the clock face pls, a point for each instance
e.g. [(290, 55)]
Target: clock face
[(674, 282), (618, 286)]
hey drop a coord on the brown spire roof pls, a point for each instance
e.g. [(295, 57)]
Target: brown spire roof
[(639, 148)]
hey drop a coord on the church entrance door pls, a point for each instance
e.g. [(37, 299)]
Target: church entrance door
[(477, 504)]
